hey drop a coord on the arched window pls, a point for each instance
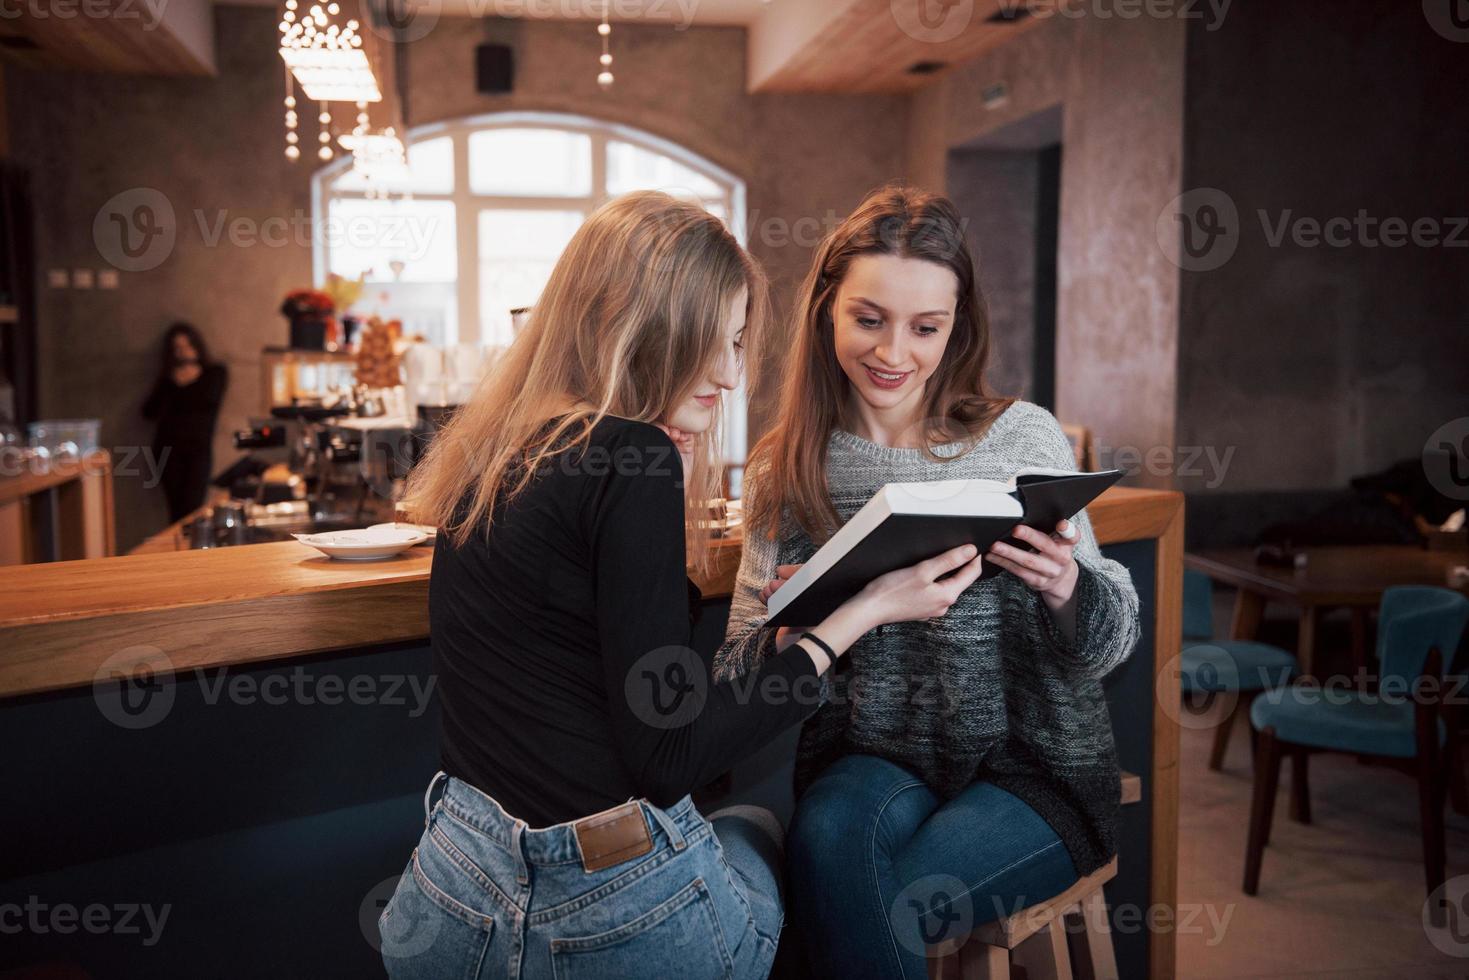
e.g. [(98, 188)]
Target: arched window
[(471, 228)]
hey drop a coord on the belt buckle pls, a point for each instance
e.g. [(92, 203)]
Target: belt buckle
[(613, 836)]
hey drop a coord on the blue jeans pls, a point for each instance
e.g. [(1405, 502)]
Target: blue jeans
[(880, 870), (485, 896)]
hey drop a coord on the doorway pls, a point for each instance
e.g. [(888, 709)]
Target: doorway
[(1007, 187)]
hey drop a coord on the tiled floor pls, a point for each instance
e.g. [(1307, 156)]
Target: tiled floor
[(1342, 897)]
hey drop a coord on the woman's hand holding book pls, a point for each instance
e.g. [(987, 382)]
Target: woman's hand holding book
[(1050, 570), (922, 591)]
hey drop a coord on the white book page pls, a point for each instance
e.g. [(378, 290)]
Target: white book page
[(961, 498), (873, 513), (1042, 471)]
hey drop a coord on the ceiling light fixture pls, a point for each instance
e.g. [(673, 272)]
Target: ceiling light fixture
[(324, 55)]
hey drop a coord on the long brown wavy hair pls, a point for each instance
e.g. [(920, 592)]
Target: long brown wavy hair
[(629, 324), (788, 465)]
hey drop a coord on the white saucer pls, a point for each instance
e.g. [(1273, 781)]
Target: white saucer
[(368, 544), (427, 530)]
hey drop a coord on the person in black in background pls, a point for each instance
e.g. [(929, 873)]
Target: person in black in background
[(185, 403)]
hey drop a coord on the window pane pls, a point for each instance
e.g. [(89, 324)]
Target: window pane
[(391, 240), (633, 168), (530, 162), (517, 250), (427, 308), (430, 171)]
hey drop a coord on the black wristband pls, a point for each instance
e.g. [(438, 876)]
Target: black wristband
[(832, 654)]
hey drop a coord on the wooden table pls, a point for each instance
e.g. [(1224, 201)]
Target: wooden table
[(55, 511), (1351, 576)]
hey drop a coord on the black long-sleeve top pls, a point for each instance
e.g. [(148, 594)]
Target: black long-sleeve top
[(186, 413), (561, 643)]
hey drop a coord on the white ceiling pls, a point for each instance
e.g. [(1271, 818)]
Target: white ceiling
[(679, 12)]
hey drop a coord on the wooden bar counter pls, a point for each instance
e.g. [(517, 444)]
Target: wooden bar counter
[(218, 771), (61, 621), (217, 607)]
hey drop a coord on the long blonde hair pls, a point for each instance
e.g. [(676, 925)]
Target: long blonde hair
[(630, 322), (958, 405)]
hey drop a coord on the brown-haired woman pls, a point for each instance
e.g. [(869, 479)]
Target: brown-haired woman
[(184, 401), (576, 720), (964, 767)]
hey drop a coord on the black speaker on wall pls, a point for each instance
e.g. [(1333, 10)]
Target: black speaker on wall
[(494, 69)]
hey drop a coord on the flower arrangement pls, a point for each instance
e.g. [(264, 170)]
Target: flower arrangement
[(343, 292), (312, 325), (307, 303)]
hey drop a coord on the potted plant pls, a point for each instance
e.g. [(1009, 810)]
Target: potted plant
[(310, 313)]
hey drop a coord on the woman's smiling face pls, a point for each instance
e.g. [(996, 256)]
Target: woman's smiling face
[(892, 317)]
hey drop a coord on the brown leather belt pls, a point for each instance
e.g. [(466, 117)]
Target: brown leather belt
[(612, 836)]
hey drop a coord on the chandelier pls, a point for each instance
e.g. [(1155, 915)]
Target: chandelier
[(324, 55), (380, 158)]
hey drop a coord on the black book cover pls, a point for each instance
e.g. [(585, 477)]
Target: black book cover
[(906, 539)]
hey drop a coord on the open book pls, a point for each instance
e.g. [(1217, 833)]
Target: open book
[(905, 523)]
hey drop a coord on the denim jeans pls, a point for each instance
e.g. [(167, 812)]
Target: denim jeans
[(880, 870), (485, 896)]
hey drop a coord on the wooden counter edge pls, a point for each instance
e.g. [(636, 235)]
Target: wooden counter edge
[(14, 486), (57, 655), (1167, 640)]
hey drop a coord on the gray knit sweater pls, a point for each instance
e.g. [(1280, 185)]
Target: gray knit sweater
[(992, 691)]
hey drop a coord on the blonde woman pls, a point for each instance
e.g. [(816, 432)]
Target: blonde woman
[(964, 767), (560, 839)]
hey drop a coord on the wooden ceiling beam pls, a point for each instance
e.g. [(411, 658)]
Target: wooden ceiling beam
[(130, 37), (873, 45)]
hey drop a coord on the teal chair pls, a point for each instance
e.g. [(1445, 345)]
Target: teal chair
[(1215, 669), (1405, 722)]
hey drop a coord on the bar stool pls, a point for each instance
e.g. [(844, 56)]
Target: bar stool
[(1037, 937)]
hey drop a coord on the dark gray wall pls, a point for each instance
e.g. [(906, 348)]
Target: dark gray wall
[(1318, 363), (995, 192)]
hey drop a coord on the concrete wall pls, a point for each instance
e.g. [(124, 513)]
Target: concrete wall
[(1120, 86), (212, 147), (996, 192), (1315, 362)]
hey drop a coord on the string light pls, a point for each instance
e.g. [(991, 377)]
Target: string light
[(604, 77), (325, 136), (293, 152), (323, 52)]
